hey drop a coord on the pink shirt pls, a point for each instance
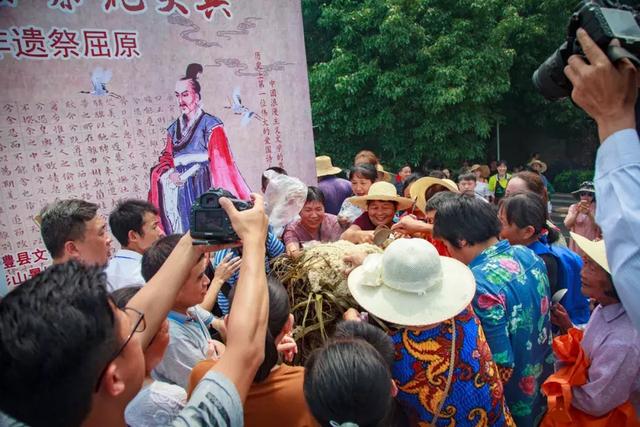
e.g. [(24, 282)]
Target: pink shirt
[(585, 226), (330, 231)]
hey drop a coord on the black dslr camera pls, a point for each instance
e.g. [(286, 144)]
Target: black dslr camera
[(209, 223), (603, 21)]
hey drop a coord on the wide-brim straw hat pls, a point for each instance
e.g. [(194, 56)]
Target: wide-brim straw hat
[(387, 175), (543, 165), (585, 187), (384, 191), (419, 187), (324, 167), (596, 250), (485, 172), (411, 285)]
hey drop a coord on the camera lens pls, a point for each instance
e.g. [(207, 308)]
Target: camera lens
[(549, 78)]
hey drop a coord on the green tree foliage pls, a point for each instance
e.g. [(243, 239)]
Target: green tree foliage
[(542, 30), (410, 79), (428, 79)]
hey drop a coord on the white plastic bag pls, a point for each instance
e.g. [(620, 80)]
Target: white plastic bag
[(284, 198)]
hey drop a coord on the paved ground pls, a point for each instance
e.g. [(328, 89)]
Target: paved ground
[(561, 203)]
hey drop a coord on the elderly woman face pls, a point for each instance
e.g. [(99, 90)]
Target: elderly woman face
[(381, 212), (596, 283), (312, 215)]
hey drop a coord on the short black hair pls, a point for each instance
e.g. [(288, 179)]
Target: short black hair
[(438, 199), (347, 380), (366, 170), (374, 336), (57, 332), (122, 296), (265, 180), (65, 220), (436, 173), (314, 194), (468, 176), (466, 218), (157, 254), (128, 215)]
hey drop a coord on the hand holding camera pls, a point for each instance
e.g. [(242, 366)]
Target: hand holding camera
[(595, 65), (604, 90), (249, 224), (217, 217)]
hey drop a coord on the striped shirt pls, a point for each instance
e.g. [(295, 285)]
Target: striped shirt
[(274, 247)]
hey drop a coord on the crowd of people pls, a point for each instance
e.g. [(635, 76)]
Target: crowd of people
[(484, 316)]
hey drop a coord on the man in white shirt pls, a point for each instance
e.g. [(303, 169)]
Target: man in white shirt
[(72, 229), (136, 225)]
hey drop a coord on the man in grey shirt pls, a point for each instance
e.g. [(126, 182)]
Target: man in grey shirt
[(63, 322)]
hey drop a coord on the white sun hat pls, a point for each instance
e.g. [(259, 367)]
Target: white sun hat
[(411, 285)]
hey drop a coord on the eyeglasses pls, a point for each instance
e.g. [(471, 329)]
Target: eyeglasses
[(138, 326)]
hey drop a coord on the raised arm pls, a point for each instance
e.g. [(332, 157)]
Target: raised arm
[(223, 272), (247, 323), (156, 298), (572, 214)]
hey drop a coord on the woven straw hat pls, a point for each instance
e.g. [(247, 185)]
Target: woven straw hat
[(387, 175), (543, 165), (596, 250), (384, 191), (419, 187), (324, 167), (485, 172)]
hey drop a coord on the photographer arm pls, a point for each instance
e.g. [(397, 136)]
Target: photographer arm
[(607, 92), (570, 219), (156, 297), (218, 398), (246, 328)]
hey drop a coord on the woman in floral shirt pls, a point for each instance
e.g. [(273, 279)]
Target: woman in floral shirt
[(511, 300)]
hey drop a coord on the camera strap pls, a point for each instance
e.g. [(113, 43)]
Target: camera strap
[(616, 53)]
